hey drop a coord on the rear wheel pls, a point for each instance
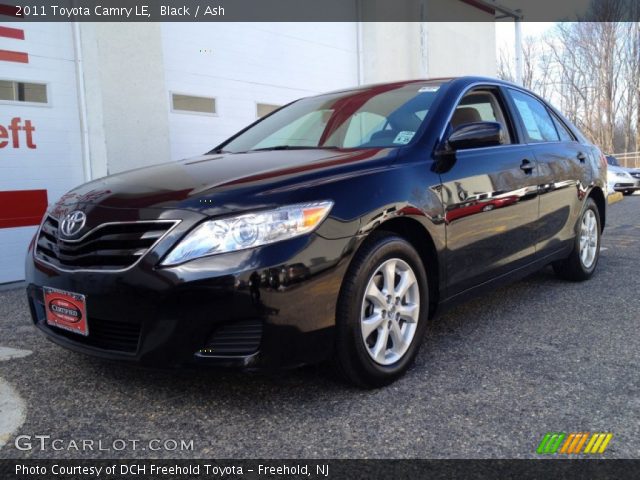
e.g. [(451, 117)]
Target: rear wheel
[(382, 311), (582, 261)]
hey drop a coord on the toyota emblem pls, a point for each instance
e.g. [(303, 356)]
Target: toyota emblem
[(73, 223)]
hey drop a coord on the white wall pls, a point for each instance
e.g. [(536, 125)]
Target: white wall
[(410, 50), (392, 51), (243, 63), (56, 162), (457, 49), (127, 107)]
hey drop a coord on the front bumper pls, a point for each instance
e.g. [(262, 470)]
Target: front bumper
[(627, 186), (282, 294)]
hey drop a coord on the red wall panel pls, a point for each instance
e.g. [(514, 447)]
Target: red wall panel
[(22, 208)]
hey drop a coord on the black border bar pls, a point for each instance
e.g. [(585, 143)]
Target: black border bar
[(318, 469), (316, 10)]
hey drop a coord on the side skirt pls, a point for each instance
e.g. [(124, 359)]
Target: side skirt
[(504, 279)]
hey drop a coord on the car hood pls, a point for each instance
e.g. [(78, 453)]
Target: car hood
[(614, 169), (223, 181), (622, 169)]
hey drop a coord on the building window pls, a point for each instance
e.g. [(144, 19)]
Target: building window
[(23, 91), (263, 109), (193, 104)]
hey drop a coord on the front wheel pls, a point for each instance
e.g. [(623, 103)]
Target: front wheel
[(382, 311), (582, 261)]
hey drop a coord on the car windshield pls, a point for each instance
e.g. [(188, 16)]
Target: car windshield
[(613, 161), (377, 116)]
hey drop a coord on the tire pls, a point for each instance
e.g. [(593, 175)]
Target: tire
[(581, 264), (376, 342), (626, 193)]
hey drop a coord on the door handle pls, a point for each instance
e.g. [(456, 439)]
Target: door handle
[(581, 156), (526, 166)]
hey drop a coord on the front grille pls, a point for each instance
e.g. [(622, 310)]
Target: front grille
[(106, 335), (240, 338), (108, 246)]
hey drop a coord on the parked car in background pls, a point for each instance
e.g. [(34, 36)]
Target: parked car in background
[(331, 229), (622, 179)]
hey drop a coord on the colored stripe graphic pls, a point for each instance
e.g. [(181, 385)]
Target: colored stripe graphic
[(8, 32), (570, 439), (573, 443), (22, 208), (550, 443), (576, 448), (598, 443), (605, 443), (9, 56)]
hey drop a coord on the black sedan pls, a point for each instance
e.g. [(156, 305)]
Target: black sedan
[(332, 229)]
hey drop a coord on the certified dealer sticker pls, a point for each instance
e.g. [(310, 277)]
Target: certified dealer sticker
[(66, 310)]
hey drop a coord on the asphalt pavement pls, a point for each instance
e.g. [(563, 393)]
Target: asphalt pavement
[(493, 376)]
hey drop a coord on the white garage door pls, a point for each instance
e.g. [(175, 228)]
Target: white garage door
[(221, 76), (40, 149)]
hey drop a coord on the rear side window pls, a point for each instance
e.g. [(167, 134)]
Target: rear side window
[(563, 132), (535, 117)]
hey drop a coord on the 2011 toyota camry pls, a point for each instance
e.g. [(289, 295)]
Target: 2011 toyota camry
[(334, 228)]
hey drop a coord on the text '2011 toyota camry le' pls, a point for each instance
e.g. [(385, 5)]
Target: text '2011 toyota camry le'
[(332, 229)]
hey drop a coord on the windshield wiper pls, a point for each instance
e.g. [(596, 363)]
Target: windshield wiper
[(291, 147)]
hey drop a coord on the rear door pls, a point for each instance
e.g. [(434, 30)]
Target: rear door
[(564, 169), (489, 195)]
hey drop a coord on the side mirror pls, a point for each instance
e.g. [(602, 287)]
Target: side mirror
[(475, 135)]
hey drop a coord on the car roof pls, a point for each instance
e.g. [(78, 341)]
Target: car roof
[(427, 81)]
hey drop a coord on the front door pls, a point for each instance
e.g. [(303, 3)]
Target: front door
[(490, 199)]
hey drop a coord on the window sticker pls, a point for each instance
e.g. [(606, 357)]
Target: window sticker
[(404, 137), (430, 88), (528, 119)]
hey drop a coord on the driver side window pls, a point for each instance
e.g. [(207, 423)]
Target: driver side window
[(480, 106)]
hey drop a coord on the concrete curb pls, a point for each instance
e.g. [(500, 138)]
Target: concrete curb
[(12, 407), (615, 197), (12, 286), (12, 412)]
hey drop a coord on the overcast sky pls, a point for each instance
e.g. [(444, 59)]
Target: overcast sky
[(505, 32)]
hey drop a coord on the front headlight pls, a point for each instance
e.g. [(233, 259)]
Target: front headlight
[(249, 231)]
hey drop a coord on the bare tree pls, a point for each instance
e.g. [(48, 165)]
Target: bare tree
[(591, 70), (505, 66)]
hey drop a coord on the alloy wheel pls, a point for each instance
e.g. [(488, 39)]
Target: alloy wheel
[(588, 239), (390, 311)]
